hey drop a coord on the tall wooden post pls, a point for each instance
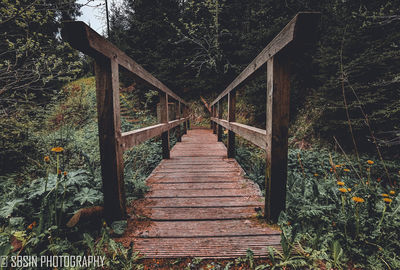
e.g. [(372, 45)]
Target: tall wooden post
[(184, 122), (111, 152), (178, 130), (214, 114), (278, 96), (164, 119), (219, 130), (188, 120), (211, 115), (231, 118)]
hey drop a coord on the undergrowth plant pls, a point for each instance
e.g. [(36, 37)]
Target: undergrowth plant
[(335, 214)]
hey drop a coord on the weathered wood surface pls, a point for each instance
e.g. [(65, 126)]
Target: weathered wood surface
[(252, 134), (135, 137), (278, 98), (112, 164), (231, 118), (199, 205)]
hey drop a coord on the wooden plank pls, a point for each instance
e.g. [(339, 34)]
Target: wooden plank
[(164, 214), (163, 193), (88, 41), (223, 247), (112, 164), (231, 118), (252, 134), (278, 97), (205, 228), (192, 185), (302, 23), (135, 137), (205, 202)]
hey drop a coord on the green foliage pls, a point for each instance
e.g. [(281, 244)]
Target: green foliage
[(323, 224)]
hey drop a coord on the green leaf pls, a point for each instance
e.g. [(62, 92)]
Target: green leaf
[(119, 226), (88, 196)]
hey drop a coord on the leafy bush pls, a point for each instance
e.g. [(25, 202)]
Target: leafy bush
[(324, 221)]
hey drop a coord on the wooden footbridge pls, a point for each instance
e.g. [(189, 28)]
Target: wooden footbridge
[(200, 203)]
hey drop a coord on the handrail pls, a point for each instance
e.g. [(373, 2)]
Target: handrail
[(275, 56), (88, 41), (295, 29), (112, 141)]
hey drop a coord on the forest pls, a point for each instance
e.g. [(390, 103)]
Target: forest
[(343, 172)]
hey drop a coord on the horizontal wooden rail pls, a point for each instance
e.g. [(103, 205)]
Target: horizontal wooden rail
[(113, 143), (88, 41), (275, 57), (301, 23), (138, 136), (252, 134)]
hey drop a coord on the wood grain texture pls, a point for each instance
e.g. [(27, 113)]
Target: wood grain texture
[(178, 127), (278, 97), (199, 205), (219, 116), (164, 119), (231, 118), (112, 164), (252, 134), (135, 137)]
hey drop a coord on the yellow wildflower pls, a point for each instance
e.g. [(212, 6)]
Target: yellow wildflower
[(316, 174), (384, 195), (338, 166), (358, 199), (57, 149), (346, 170), (340, 183), (387, 200), (370, 162), (343, 190), (46, 159), (392, 192), (349, 189)]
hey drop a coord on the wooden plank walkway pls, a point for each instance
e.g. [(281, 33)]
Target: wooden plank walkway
[(199, 205)]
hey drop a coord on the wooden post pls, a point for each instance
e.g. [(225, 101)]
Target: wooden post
[(278, 96), (211, 115), (178, 128), (164, 119), (219, 130), (188, 121), (111, 152), (184, 122), (214, 127), (231, 118)]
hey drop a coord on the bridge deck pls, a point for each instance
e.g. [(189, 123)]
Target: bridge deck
[(199, 205)]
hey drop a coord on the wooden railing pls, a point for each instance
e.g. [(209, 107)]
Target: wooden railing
[(274, 139), (113, 142)]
